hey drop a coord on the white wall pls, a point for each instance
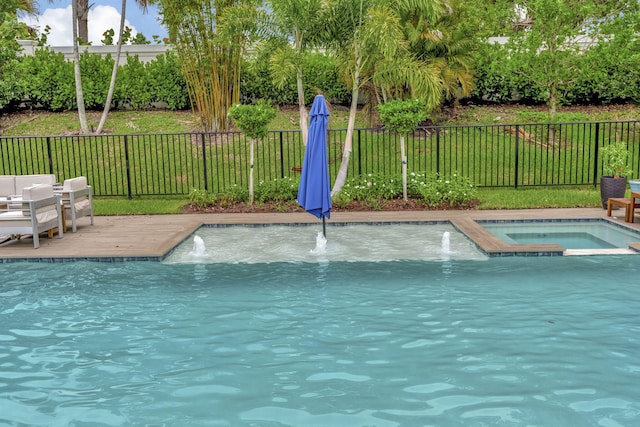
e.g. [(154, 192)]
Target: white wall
[(146, 52)]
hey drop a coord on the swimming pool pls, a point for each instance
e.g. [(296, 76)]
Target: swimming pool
[(505, 341)]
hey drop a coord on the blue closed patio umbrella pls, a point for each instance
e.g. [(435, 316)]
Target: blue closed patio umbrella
[(314, 192)]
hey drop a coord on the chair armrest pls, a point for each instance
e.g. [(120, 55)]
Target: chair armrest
[(66, 195), (28, 207), (54, 200)]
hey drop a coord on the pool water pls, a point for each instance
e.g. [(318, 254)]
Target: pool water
[(547, 341), (568, 234), (344, 242)]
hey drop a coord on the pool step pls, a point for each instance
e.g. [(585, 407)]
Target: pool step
[(614, 251)]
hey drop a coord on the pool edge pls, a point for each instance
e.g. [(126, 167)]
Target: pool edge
[(153, 237)]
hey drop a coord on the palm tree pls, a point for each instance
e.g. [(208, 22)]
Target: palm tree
[(450, 45), (375, 50), (17, 7), (82, 16), (82, 115), (297, 22), (346, 37), (116, 63), (400, 73)]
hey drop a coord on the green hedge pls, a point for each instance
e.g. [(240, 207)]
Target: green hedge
[(606, 73), (320, 76), (46, 80)]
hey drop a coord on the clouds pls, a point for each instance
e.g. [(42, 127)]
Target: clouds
[(101, 18)]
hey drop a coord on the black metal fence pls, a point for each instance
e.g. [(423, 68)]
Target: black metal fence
[(515, 155)]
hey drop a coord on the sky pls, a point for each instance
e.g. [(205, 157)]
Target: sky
[(104, 14)]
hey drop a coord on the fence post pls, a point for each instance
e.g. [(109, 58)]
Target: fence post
[(517, 157), (359, 152), (204, 163), (438, 150), (49, 155), (128, 169), (282, 174), (595, 156)]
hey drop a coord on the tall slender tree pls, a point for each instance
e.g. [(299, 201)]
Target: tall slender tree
[(346, 37), (82, 17), (82, 115), (116, 63), (297, 23)]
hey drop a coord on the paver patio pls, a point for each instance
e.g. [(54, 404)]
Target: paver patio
[(154, 236)]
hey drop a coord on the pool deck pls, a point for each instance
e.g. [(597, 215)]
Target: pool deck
[(152, 237)]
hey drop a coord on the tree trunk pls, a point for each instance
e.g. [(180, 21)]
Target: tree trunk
[(82, 115), (553, 102), (82, 15), (114, 72), (348, 141), (303, 110)]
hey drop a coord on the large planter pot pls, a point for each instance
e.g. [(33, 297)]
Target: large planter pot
[(611, 187), (635, 185)]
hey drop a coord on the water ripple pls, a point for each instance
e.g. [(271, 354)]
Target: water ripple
[(504, 342)]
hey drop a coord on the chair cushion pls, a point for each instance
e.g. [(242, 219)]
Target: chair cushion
[(82, 204), (7, 185), (39, 192), (13, 216), (73, 184), (23, 181)]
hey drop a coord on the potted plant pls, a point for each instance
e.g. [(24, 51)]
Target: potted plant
[(615, 169)]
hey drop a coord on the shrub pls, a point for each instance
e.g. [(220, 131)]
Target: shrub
[(132, 84), (277, 190), (436, 190), (320, 76), (233, 195), (256, 83), (610, 73), (166, 82), (253, 119), (370, 187), (49, 81), (11, 87), (493, 81), (96, 76), (201, 198)]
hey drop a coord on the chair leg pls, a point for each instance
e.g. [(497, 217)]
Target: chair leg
[(74, 227)]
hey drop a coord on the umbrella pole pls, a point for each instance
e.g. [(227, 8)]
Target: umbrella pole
[(324, 228)]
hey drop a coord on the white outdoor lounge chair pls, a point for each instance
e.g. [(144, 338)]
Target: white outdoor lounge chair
[(38, 211), (77, 200)]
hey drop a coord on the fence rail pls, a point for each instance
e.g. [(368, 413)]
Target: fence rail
[(516, 155)]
